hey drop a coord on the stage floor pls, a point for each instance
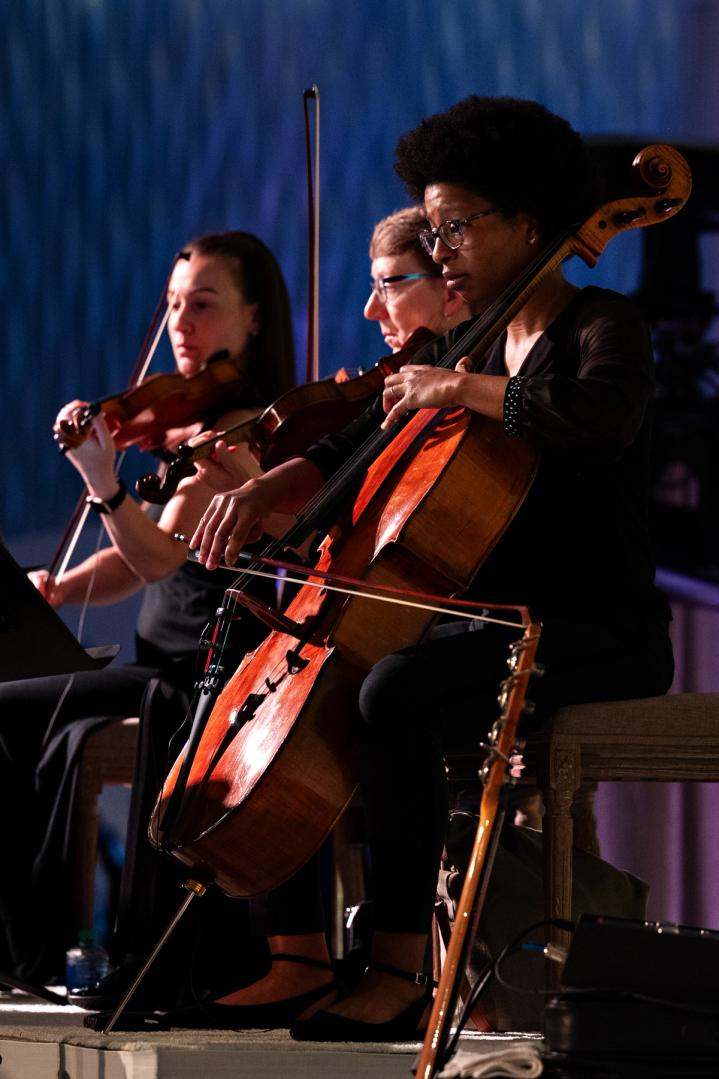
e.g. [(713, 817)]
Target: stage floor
[(44, 1041)]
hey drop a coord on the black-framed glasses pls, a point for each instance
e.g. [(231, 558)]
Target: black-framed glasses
[(380, 284), (450, 232)]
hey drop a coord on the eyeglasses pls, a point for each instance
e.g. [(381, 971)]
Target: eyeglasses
[(379, 284), (450, 232)]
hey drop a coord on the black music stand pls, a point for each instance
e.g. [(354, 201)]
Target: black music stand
[(34, 640)]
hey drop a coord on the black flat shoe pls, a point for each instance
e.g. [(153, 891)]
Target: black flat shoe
[(270, 1016), (328, 1027)]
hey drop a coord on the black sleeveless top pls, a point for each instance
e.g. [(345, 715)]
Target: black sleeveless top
[(175, 612)]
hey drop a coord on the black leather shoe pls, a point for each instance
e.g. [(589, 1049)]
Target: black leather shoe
[(325, 1026), (270, 1016), (328, 1027), (161, 988)]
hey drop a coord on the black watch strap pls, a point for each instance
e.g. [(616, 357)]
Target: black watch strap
[(108, 505)]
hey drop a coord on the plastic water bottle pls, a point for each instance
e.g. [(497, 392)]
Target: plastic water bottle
[(86, 963)]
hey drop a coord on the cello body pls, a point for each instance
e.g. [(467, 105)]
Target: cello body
[(276, 766)]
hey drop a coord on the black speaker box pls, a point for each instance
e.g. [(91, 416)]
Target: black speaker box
[(636, 999)]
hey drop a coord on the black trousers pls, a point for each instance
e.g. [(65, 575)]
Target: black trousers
[(441, 696), (212, 950), (39, 747)]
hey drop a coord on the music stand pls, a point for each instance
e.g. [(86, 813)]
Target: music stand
[(34, 640)]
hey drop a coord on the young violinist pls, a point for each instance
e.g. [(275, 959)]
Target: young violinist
[(225, 293), (499, 178)]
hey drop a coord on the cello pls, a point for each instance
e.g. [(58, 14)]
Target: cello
[(273, 771)]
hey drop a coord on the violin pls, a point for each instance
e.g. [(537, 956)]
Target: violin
[(143, 414), (286, 428)]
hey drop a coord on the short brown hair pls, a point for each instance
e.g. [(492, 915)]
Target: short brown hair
[(397, 234)]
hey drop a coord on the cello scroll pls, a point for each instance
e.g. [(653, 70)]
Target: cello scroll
[(658, 167)]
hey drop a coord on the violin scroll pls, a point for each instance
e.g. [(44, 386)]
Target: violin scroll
[(150, 486)]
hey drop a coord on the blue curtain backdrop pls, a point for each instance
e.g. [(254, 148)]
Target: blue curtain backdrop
[(130, 127)]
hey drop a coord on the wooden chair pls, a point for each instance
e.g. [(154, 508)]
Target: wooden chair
[(662, 739), (108, 757)]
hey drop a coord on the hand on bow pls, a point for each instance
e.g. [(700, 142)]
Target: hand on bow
[(228, 523), (261, 505), (48, 587)]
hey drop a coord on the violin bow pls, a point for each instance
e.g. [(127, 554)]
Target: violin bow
[(153, 335), (313, 217)]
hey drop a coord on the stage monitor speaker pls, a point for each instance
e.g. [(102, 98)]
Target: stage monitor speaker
[(636, 999), (34, 640), (658, 959)]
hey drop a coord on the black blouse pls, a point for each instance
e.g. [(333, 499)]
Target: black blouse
[(582, 397)]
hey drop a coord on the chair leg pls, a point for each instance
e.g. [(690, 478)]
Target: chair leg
[(560, 785)]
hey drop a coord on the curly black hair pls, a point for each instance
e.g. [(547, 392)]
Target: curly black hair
[(514, 152)]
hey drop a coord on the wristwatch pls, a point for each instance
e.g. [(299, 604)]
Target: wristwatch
[(108, 505)]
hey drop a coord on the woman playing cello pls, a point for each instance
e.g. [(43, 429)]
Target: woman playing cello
[(572, 375), (225, 293)]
